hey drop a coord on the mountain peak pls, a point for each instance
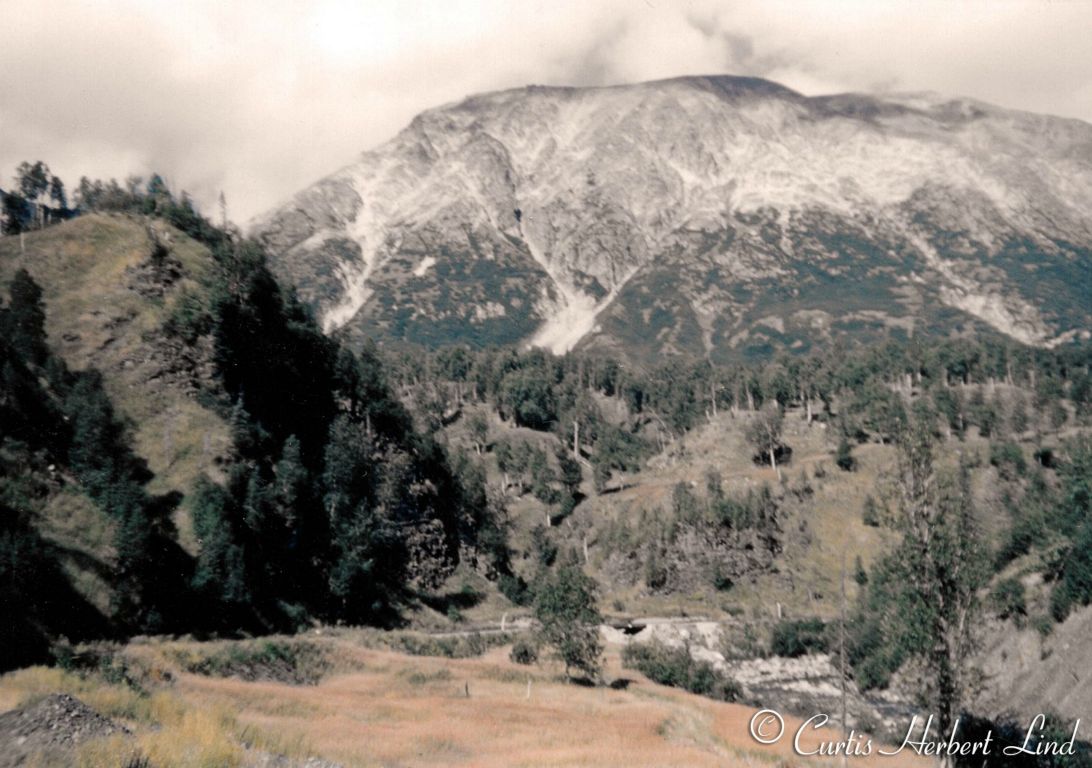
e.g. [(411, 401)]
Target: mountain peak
[(663, 216)]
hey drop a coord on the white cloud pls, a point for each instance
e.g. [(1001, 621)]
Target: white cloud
[(261, 98)]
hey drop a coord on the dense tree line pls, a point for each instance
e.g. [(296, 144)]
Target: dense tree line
[(999, 387), (336, 506), (59, 422), (36, 200)]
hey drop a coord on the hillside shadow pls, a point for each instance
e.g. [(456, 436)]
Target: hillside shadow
[(460, 600)]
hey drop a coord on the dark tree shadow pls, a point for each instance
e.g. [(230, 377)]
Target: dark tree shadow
[(460, 600)]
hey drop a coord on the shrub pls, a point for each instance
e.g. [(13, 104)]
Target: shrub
[(524, 651), (462, 647), (796, 638), (515, 589), (1074, 587), (289, 661), (190, 317), (1009, 460), (1058, 415), (1008, 600), (843, 457), (860, 575), (745, 644), (677, 668), (870, 515)]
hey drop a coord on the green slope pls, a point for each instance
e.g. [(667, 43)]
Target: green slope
[(106, 308)]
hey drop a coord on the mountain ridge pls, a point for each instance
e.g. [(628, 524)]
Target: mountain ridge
[(551, 215)]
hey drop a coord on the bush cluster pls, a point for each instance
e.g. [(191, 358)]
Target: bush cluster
[(796, 638), (524, 651), (677, 668)]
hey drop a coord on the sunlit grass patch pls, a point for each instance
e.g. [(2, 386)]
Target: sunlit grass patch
[(202, 738), (27, 686)]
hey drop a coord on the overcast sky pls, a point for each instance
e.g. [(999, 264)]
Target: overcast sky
[(261, 98)]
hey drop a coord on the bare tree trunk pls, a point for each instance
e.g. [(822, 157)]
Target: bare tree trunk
[(842, 654), (576, 438), (773, 463)]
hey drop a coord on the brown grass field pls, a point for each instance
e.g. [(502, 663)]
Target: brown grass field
[(381, 708)]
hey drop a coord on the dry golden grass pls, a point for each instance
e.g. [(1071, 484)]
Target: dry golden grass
[(398, 710), (27, 685)]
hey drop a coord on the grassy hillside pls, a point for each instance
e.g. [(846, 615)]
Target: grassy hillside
[(105, 308), (822, 508)]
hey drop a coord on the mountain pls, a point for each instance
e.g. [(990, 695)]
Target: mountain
[(716, 216)]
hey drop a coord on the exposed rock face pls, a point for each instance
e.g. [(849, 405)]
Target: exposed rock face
[(713, 215), (806, 685)]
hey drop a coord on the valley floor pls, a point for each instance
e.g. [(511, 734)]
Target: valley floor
[(377, 707)]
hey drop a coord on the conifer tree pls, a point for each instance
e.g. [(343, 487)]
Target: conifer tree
[(26, 318)]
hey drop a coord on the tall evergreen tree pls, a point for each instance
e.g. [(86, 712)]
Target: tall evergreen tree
[(26, 318)]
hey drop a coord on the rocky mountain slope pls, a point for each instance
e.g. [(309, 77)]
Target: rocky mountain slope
[(712, 215)]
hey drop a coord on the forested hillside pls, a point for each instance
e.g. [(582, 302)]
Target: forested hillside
[(325, 504), (184, 451)]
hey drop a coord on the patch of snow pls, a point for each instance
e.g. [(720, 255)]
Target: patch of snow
[(572, 319), (426, 264), (772, 321), (489, 310)]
